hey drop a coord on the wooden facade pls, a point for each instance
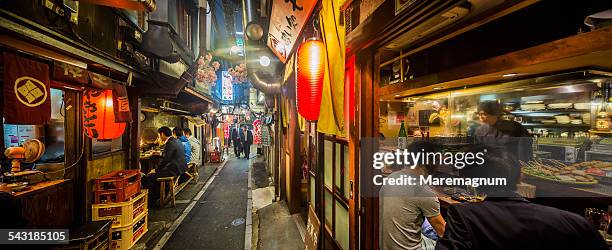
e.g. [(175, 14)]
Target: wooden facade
[(366, 43)]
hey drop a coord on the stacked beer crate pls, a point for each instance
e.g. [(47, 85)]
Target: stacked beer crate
[(118, 197)]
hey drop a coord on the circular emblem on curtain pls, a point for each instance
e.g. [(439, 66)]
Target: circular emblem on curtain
[(30, 91)]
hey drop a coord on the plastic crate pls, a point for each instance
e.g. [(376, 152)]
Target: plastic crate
[(123, 213), (125, 237), (117, 186)]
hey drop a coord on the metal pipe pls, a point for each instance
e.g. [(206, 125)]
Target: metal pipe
[(247, 13), (263, 86)]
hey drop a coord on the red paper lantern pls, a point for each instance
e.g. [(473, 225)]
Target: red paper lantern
[(310, 72), (99, 116)]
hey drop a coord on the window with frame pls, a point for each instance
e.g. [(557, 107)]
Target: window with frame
[(336, 188), (184, 24)]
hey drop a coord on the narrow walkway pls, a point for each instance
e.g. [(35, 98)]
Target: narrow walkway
[(218, 219)]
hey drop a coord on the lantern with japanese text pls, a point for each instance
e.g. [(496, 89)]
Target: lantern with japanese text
[(99, 116), (310, 72)]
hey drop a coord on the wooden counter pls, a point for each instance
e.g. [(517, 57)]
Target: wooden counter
[(38, 187), (48, 204)]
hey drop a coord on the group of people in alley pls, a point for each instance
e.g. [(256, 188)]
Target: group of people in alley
[(241, 139), (180, 149)]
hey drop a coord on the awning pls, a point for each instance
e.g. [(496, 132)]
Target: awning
[(195, 120)]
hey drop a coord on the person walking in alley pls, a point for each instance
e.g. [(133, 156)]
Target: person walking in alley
[(196, 154), (246, 137), (178, 134), (172, 163), (235, 136)]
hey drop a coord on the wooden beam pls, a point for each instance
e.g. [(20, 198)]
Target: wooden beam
[(582, 50)]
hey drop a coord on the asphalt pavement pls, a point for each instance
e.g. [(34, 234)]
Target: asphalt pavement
[(217, 221)]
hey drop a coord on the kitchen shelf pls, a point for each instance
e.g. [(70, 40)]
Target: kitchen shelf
[(600, 132), (520, 112), (557, 125)]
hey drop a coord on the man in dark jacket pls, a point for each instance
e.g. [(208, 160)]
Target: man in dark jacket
[(246, 137), (173, 163), (504, 220), (235, 136)]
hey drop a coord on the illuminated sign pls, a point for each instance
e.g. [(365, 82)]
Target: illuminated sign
[(227, 92)]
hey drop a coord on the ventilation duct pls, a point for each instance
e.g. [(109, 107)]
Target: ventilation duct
[(269, 88), (156, 41)]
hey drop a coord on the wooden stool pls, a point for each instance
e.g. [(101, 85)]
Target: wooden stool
[(171, 183), (192, 170)]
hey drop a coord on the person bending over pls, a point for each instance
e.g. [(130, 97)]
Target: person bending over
[(504, 220)]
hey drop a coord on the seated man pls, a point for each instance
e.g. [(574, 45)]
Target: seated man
[(404, 208), (504, 220), (178, 134), (173, 164)]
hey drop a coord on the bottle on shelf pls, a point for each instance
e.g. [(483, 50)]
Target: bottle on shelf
[(402, 138)]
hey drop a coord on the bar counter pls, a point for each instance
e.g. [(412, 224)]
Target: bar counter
[(47, 204)]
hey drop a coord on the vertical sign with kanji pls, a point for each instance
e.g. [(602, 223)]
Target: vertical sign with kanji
[(311, 239), (286, 23), (227, 88)]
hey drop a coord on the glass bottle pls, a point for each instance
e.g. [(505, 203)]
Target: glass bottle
[(401, 137)]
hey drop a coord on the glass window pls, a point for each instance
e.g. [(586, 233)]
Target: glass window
[(347, 186), (338, 166), (329, 160), (329, 206), (313, 191), (341, 231), (52, 134), (106, 146)]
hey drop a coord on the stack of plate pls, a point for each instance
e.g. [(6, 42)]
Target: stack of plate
[(533, 106), (562, 119), (562, 105), (576, 121), (582, 105)]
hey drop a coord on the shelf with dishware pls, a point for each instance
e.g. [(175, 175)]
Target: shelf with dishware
[(558, 125), (548, 112)]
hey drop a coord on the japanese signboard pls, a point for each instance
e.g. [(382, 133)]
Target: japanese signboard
[(227, 91), (312, 230), (286, 23), (257, 132)]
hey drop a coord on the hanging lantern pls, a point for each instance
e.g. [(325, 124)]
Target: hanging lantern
[(99, 116), (310, 72)]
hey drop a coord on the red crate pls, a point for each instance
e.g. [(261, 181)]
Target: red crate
[(117, 186)]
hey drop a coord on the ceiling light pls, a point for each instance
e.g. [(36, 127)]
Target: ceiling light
[(438, 88), (510, 75), (264, 61), (397, 95)]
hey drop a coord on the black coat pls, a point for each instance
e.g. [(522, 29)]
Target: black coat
[(515, 223), (249, 138), (173, 162), (234, 135)]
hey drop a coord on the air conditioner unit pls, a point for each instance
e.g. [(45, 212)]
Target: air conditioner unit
[(429, 26)]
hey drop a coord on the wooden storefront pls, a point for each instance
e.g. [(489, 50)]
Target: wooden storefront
[(476, 49)]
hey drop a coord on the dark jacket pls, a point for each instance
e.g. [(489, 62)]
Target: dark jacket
[(234, 135), (249, 137), (173, 162), (515, 223)]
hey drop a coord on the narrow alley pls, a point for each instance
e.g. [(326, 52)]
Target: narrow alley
[(217, 221)]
